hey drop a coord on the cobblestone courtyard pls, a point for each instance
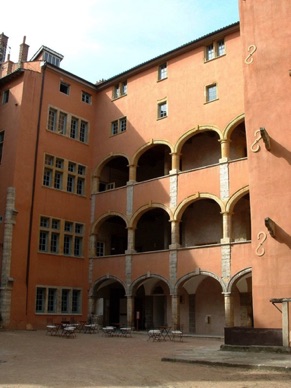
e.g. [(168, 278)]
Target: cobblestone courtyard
[(34, 359)]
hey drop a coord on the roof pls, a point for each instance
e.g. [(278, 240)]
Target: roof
[(9, 77), (47, 49), (170, 54)]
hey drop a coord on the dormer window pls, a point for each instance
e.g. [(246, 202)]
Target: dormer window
[(51, 59)]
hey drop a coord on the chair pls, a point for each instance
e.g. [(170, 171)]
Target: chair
[(69, 331), (177, 333)]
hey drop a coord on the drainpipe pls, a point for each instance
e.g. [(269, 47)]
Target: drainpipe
[(33, 186)]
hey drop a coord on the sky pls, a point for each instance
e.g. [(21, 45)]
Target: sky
[(103, 38)]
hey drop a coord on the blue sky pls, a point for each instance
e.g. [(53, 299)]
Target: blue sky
[(102, 38)]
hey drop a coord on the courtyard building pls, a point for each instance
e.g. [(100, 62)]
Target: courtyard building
[(157, 197)]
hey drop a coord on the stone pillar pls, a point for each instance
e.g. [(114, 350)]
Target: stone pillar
[(132, 173), (226, 225), (228, 309), (6, 279), (175, 162), (130, 240), (175, 311), (224, 145), (130, 311), (175, 243), (285, 322), (95, 184)]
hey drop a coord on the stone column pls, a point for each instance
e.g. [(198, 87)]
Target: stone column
[(228, 309), (285, 322), (130, 311), (95, 184), (224, 145), (6, 279), (175, 243), (132, 173), (175, 162), (175, 311), (130, 240), (226, 225)]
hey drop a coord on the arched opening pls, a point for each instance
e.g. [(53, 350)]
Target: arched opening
[(238, 143), (111, 237), (153, 231), (242, 300), (152, 304), (115, 173), (153, 163), (201, 224), (202, 306), (241, 220), (200, 150), (109, 303)]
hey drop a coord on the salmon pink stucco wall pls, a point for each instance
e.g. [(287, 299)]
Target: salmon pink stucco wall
[(267, 104)]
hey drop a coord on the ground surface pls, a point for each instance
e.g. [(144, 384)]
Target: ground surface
[(33, 359)]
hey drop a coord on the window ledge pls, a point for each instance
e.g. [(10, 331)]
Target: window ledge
[(162, 79), (213, 59), (117, 98), (209, 102)]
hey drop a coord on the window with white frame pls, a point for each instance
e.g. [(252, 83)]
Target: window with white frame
[(214, 50), (211, 93), (65, 124), (100, 248), (119, 89), (58, 300), (62, 174), (62, 124), (162, 109), (163, 72), (58, 236), (118, 126)]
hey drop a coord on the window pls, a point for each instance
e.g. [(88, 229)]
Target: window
[(162, 109), (52, 231), (214, 50), (118, 126), (86, 97), (100, 248), (46, 300), (1, 144), (64, 124), (163, 72), (211, 93), (64, 175), (40, 300), (74, 128), (52, 300), (52, 119), (5, 96), (65, 300), (76, 301), (119, 89), (83, 131), (64, 88), (51, 59)]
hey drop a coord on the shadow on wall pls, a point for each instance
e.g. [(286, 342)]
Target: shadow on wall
[(279, 151)]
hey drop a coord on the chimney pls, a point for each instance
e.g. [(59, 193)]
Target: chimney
[(23, 51), (3, 47)]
